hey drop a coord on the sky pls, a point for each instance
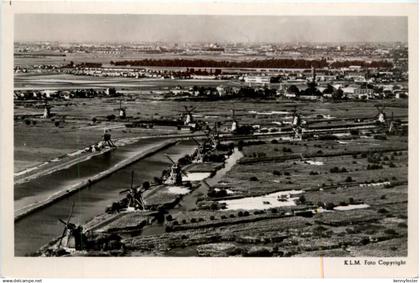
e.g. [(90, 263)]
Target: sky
[(194, 28)]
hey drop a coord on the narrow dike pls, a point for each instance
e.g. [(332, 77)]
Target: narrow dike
[(21, 213)]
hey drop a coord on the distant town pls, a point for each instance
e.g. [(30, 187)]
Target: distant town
[(301, 71)]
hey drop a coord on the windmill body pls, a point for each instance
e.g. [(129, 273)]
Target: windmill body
[(199, 155), (47, 110), (47, 113), (297, 125), (234, 127), (72, 238), (107, 138), (69, 240), (122, 111), (174, 176), (188, 119), (134, 198), (296, 122), (235, 124), (214, 136), (207, 146), (381, 117)]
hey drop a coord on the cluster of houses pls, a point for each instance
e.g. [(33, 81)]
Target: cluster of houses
[(352, 82), (350, 85), (342, 90), (63, 94)]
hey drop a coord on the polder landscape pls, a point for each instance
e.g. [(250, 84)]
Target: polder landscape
[(211, 149)]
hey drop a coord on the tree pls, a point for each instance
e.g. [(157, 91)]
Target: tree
[(146, 185), (293, 89), (302, 199), (312, 90), (338, 94), (329, 206), (110, 117), (349, 179), (329, 89)]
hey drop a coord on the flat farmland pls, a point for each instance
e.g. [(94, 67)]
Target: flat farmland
[(68, 82), (366, 216), (43, 141)]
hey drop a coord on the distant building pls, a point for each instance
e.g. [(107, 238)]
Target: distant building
[(326, 78), (349, 90), (203, 77), (355, 67), (257, 79), (304, 96), (363, 93), (290, 95), (221, 90)]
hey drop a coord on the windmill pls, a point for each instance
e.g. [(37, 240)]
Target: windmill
[(213, 136), (135, 194), (296, 118), (313, 74), (381, 116), (297, 124), (72, 237), (174, 176), (235, 124), (47, 110), (107, 138), (389, 125), (122, 111), (199, 152), (207, 146), (392, 125), (189, 122), (188, 115), (236, 129)]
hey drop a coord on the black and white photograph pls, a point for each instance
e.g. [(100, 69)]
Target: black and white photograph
[(210, 136), (185, 136)]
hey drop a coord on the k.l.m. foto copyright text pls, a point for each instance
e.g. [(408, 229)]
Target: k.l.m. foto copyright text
[(382, 262)]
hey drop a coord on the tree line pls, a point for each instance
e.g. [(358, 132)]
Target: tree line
[(267, 63)]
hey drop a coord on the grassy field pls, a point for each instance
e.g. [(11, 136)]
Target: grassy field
[(375, 177), (44, 141)]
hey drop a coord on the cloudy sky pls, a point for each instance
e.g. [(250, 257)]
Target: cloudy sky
[(173, 28)]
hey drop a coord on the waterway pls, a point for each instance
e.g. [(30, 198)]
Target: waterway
[(42, 187), (37, 229), (189, 201)]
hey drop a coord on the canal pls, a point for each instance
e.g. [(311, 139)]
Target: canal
[(38, 228)]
